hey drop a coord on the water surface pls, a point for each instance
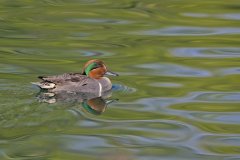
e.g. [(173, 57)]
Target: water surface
[(178, 89)]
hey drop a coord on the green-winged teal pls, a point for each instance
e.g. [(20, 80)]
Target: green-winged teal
[(91, 80)]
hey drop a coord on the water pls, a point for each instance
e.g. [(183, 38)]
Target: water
[(178, 90)]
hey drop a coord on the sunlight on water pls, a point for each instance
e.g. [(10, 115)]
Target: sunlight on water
[(177, 96)]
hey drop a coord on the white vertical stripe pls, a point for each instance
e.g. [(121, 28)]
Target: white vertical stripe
[(100, 89)]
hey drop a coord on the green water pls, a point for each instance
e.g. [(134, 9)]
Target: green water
[(178, 89)]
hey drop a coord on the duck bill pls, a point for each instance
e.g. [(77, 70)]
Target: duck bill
[(109, 73)]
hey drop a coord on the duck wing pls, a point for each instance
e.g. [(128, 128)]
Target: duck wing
[(64, 78), (50, 82)]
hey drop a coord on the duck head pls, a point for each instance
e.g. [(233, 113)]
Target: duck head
[(96, 69)]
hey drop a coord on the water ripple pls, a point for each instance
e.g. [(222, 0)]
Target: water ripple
[(222, 117), (232, 97), (15, 69), (227, 16), (206, 52), (149, 104), (99, 20), (122, 88), (230, 71), (84, 143), (219, 144), (166, 85), (175, 70), (189, 31), (90, 53)]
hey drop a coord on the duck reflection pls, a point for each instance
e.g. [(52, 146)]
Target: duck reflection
[(90, 102), (97, 105)]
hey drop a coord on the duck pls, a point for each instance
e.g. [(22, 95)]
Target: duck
[(92, 80)]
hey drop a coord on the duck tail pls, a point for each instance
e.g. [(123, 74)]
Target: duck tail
[(41, 77), (44, 85)]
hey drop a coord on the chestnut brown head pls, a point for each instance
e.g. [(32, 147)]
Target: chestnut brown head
[(96, 69)]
